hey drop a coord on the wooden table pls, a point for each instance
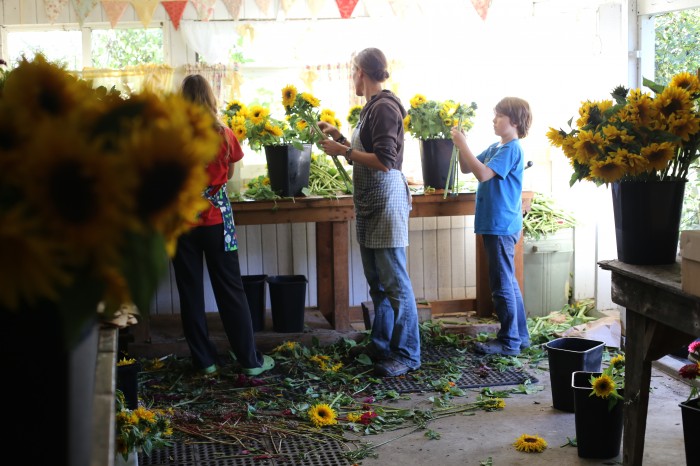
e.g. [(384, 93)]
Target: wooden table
[(660, 318), (332, 217)]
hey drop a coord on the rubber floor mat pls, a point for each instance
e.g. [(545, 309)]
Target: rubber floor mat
[(290, 451), (474, 373)]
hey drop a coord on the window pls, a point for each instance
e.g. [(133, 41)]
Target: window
[(64, 46)]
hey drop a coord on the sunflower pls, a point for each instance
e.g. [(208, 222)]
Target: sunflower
[(530, 444), (418, 100), (289, 95), (322, 415), (608, 170), (353, 417), (29, 271), (77, 194), (658, 154), (354, 115), (39, 89), (603, 386), (687, 81), (170, 174), (673, 100), (618, 361), (258, 114)]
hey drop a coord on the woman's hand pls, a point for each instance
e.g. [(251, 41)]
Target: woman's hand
[(331, 147), (328, 129)]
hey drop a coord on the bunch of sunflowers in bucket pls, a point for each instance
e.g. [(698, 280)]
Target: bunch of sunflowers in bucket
[(635, 135), (94, 191)]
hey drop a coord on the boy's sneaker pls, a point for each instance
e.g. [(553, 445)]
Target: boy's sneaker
[(495, 347), (268, 363), (391, 368)]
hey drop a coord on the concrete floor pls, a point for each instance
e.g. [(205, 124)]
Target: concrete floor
[(473, 439)]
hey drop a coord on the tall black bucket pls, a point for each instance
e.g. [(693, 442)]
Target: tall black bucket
[(287, 298), (254, 286), (566, 356)]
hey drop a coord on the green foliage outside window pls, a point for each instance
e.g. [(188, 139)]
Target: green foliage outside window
[(118, 48), (676, 50)]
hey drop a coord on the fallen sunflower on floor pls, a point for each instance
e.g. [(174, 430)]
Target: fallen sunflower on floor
[(530, 443), (322, 415)]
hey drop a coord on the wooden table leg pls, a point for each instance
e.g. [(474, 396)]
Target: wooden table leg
[(332, 273), (637, 381)]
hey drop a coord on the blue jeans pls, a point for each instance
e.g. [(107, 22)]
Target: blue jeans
[(395, 332), (505, 291)]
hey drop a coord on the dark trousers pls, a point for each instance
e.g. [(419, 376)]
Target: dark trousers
[(225, 275)]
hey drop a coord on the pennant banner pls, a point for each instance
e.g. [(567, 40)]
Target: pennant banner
[(345, 7), (315, 6), (286, 5), (482, 7), (264, 6), (54, 8), (114, 9), (175, 9), (233, 7), (144, 10), (204, 8), (83, 8)]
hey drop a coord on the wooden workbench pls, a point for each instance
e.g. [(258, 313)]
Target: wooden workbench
[(660, 318), (332, 216)]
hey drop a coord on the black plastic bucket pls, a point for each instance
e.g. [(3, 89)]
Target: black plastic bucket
[(254, 286), (566, 356), (128, 383), (598, 428), (287, 299)]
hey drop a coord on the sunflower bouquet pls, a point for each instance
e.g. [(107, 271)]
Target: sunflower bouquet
[(303, 115), (635, 135), (612, 379), (432, 119), (141, 429), (94, 191), (255, 125)]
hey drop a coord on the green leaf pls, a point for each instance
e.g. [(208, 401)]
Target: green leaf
[(145, 263)]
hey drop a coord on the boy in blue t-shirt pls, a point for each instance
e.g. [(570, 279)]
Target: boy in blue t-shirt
[(499, 218)]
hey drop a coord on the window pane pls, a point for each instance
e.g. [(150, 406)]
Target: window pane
[(117, 48), (677, 36), (63, 47)]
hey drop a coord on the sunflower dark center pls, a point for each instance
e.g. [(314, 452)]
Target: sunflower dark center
[(72, 193), (159, 188)]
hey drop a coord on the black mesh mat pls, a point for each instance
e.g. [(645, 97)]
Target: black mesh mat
[(474, 373), (290, 451)]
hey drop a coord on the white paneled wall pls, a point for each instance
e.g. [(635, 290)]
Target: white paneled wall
[(441, 260)]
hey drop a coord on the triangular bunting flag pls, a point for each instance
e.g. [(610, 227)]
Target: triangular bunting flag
[(114, 9), (264, 6), (233, 7), (482, 7), (345, 7), (144, 10), (174, 9), (54, 8), (286, 5), (204, 9), (83, 8), (315, 6), (399, 7)]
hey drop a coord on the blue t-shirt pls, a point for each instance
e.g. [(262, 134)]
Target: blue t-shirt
[(499, 200)]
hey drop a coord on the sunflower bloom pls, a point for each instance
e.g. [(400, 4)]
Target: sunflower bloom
[(658, 154), (609, 170), (289, 95), (418, 100), (322, 415), (530, 444), (603, 386), (687, 81)]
